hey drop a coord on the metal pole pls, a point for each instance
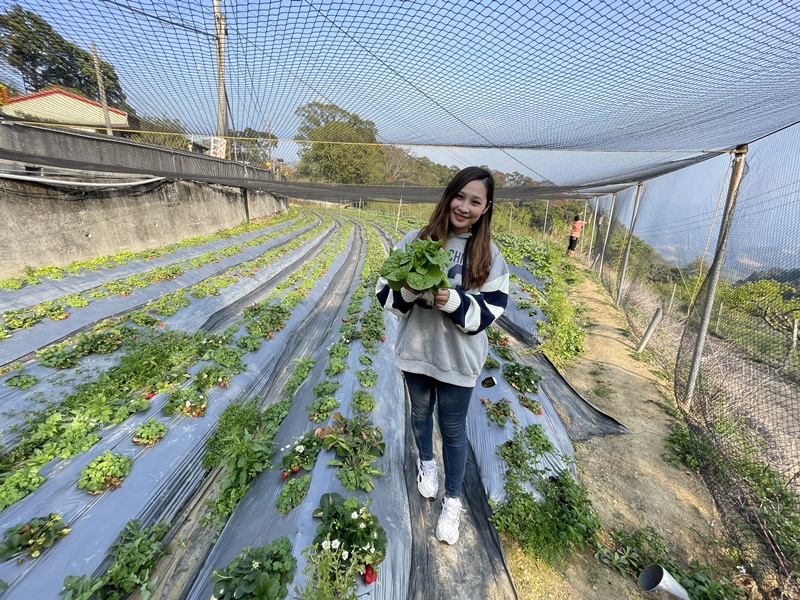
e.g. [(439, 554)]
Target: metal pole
[(546, 210), (713, 275), (220, 31), (628, 245), (671, 298), (585, 204), (650, 329), (510, 212), (397, 221), (101, 89), (608, 232), (594, 222)]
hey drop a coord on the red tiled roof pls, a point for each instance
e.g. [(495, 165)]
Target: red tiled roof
[(61, 92)]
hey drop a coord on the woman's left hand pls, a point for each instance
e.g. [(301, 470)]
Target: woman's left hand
[(441, 297)]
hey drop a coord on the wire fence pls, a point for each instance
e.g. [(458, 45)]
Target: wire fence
[(725, 270)]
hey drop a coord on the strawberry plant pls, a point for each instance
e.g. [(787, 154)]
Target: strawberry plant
[(238, 418), (349, 541), (499, 411), (367, 377), (491, 363), (504, 352), (21, 482), (326, 388), (189, 401), (522, 378), (210, 375), (19, 319), (532, 405), (292, 494), (105, 472), (321, 408), (149, 432), (262, 572), (363, 401), (32, 537), (249, 343), (301, 454), (22, 381), (230, 358), (60, 356), (133, 558)]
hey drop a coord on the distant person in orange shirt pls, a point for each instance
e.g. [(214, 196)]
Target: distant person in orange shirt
[(574, 234)]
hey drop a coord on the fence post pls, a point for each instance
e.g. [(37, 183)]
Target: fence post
[(546, 210), (671, 298), (629, 243), (608, 232), (713, 274), (594, 223), (650, 329), (585, 204)]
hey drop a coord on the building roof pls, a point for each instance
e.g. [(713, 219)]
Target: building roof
[(60, 92)]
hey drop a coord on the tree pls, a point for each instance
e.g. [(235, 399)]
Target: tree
[(253, 147), (45, 59), (162, 131), (516, 179), (340, 147), (776, 304)]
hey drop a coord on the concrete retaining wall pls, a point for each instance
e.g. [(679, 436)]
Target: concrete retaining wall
[(47, 226)]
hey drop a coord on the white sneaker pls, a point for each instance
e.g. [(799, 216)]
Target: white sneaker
[(449, 520), (427, 478)]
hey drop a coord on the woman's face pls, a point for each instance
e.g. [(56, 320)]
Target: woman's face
[(468, 206)]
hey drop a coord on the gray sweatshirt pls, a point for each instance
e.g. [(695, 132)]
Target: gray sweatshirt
[(448, 344)]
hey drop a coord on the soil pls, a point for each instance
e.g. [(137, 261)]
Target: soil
[(629, 482)]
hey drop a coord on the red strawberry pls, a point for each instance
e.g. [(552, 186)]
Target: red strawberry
[(284, 474), (538, 412), (295, 468), (161, 324), (149, 395), (383, 339)]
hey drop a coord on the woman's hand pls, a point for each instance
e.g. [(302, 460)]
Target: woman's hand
[(441, 297)]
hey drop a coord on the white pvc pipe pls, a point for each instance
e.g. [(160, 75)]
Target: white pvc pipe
[(79, 183), (655, 577)]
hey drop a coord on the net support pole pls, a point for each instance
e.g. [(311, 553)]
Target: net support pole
[(397, 220), (101, 89), (629, 243), (594, 221), (739, 155), (585, 204), (219, 37), (608, 232), (546, 210)]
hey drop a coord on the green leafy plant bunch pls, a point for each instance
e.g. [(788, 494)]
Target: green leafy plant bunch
[(302, 453), (149, 432), (34, 536), (105, 472), (262, 572), (348, 542), (499, 412), (133, 557), (422, 265), (358, 444)]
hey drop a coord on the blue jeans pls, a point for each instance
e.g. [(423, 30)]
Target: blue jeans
[(452, 403)]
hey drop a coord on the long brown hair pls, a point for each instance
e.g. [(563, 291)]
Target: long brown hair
[(478, 251)]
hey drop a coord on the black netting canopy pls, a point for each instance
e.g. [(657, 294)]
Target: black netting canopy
[(642, 87)]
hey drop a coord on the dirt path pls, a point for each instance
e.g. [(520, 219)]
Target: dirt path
[(630, 485)]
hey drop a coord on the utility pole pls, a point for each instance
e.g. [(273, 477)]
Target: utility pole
[(220, 32), (101, 89)]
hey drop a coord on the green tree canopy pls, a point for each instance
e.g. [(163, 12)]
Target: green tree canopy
[(162, 131), (45, 59), (341, 147), (252, 147)]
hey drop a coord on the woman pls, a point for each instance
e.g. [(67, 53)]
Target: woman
[(441, 349), (574, 234)]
